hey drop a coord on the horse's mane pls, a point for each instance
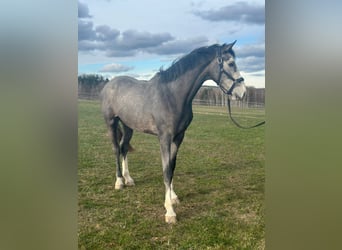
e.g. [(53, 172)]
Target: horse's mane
[(185, 63)]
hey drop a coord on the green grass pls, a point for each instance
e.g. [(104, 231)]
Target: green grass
[(219, 179)]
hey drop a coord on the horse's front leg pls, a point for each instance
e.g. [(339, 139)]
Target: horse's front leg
[(168, 168), (169, 149), (174, 150)]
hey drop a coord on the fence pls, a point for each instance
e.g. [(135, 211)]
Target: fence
[(234, 103), (85, 95)]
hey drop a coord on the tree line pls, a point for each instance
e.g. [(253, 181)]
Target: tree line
[(90, 85), (91, 80)]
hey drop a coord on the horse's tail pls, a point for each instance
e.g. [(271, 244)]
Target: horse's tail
[(130, 148)]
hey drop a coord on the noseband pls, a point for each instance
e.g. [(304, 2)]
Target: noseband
[(223, 71)]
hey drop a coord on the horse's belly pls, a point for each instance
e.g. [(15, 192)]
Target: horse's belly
[(147, 127), (140, 123)]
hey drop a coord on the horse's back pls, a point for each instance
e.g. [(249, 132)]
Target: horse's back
[(119, 81)]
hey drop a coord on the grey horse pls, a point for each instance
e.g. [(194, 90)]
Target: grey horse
[(162, 106)]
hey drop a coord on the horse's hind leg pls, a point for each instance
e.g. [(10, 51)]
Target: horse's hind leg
[(113, 129), (124, 145)]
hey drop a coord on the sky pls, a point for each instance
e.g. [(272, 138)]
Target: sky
[(138, 38)]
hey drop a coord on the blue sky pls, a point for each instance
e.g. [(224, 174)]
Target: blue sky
[(137, 38)]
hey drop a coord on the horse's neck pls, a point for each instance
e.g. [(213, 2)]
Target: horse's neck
[(191, 82)]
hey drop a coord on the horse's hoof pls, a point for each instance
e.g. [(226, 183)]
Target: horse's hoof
[(170, 219), (119, 184), (129, 183)]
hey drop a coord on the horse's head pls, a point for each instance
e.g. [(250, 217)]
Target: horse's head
[(226, 73)]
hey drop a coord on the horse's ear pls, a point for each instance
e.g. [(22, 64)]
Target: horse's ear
[(227, 47)]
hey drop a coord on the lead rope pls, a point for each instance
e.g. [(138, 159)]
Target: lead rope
[(237, 124)]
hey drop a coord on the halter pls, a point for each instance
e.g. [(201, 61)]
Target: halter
[(230, 90), (223, 71)]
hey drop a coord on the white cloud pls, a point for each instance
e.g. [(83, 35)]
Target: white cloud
[(115, 68), (242, 12)]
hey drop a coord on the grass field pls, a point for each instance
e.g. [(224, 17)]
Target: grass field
[(219, 179)]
